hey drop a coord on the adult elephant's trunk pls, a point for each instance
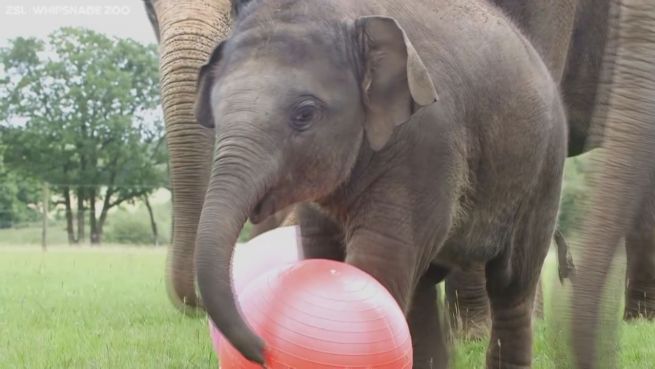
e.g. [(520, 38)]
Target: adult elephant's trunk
[(188, 32), (238, 182), (625, 167)]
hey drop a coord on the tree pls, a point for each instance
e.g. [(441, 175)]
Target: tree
[(16, 195), (81, 113)]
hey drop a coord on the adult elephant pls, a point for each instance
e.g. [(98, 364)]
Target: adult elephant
[(187, 31), (602, 51), (579, 41), (623, 195)]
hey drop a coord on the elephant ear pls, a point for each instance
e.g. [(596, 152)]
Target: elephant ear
[(237, 5), (206, 77), (396, 82)]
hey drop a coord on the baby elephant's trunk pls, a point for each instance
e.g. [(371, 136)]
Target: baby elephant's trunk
[(231, 196)]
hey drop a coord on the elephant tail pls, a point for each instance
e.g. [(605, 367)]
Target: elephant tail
[(565, 266)]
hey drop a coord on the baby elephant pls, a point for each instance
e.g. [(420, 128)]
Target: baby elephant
[(423, 135)]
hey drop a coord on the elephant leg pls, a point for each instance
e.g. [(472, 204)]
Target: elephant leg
[(640, 273), (512, 282), (467, 302), (510, 345), (623, 176), (430, 351), (322, 238)]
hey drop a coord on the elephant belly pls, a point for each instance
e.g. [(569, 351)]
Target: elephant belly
[(481, 238)]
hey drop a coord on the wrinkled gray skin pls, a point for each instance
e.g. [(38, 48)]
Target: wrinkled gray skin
[(333, 103), (578, 41), (187, 31)]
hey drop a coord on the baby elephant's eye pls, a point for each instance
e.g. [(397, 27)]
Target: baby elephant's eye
[(304, 114)]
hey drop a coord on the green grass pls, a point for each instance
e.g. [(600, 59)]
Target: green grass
[(100, 308), (31, 235), (637, 349), (107, 308)]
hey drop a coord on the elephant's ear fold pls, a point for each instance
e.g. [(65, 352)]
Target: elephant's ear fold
[(206, 77), (395, 83)]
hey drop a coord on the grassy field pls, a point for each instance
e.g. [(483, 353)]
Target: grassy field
[(31, 235), (107, 308)]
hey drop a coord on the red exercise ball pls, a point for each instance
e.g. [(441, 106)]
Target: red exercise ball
[(320, 314), (269, 250), (277, 247)]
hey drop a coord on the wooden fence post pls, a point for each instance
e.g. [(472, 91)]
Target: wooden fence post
[(44, 231)]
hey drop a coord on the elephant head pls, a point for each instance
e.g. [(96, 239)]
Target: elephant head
[(298, 97)]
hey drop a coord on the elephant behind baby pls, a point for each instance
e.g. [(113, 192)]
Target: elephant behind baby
[(599, 50)]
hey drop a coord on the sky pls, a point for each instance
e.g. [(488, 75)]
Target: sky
[(122, 18)]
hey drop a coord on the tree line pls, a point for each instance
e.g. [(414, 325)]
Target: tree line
[(79, 112)]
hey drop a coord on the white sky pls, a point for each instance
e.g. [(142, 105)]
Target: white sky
[(122, 18)]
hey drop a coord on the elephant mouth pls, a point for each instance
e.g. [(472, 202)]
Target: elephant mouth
[(264, 208)]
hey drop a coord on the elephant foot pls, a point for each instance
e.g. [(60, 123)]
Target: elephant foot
[(430, 351), (468, 304), (181, 289), (191, 306), (640, 300), (510, 346)]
